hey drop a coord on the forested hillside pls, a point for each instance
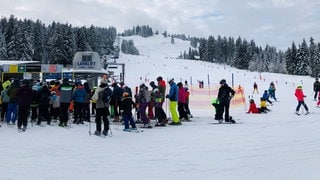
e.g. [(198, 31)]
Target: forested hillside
[(57, 43)]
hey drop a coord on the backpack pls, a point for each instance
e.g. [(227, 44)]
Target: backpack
[(107, 92), (44, 99)]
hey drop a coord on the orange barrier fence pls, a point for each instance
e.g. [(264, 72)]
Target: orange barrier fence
[(201, 98)]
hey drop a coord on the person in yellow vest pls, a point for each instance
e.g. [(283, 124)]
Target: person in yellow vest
[(6, 84), (263, 105)]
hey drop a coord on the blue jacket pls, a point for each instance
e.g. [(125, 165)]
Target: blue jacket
[(173, 92), (79, 94), (265, 95)]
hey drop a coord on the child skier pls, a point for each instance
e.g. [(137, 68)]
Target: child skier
[(215, 104), (266, 96), (126, 107), (55, 102), (253, 108), (263, 105), (300, 97)]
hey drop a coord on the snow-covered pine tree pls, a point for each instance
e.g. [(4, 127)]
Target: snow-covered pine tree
[(303, 59)]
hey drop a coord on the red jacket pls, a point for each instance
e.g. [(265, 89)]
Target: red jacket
[(182, 95), (299, 94), (253, 108)]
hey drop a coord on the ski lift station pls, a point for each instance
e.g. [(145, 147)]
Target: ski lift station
[(87, 66)]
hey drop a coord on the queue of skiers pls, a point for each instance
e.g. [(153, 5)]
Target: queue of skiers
[(53, 101), (45, 102)]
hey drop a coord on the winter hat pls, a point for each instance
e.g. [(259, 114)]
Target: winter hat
[(171, 81), (223, 81), (159, 78), (251, 101), (299, 87), (142, 85), (65, 80)]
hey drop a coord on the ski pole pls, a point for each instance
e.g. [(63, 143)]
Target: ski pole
[(89, 127)]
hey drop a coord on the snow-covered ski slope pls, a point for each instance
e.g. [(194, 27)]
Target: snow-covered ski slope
[(279, 145)]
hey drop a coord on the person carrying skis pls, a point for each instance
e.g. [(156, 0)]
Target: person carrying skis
[(225, 95), (300, 97)]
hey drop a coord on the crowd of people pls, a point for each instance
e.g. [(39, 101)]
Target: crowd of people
[(67, 102), (45, 102)]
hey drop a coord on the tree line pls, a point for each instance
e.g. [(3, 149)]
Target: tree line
[(57, 43), (239, 53)]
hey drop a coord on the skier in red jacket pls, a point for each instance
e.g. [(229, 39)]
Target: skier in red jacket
[(300, 97), (253, 108)]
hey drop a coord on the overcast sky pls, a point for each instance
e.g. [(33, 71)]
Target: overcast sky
[(274, 22)]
